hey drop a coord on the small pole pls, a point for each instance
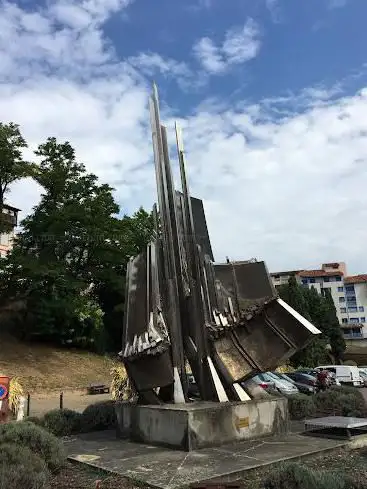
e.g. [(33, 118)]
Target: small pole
[(61, 400), (28, 404)]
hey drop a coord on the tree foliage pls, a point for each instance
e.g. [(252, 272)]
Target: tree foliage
[(320, 310), (12, 165), (69, 260)]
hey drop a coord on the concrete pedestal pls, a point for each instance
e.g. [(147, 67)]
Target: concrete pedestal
[(203, 424)]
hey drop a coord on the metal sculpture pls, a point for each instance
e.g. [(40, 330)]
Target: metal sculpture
[(225, 320)]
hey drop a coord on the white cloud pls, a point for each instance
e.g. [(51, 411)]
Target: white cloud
[(152, 63), (332, 4), (282, 180), (240, 45)]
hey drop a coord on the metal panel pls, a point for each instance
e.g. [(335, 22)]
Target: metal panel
[(201, 228)]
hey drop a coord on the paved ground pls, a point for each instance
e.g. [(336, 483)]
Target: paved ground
[(76, 400), (171, 469)]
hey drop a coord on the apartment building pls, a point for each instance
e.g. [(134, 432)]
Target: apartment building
[(10, 216), (349, 294)]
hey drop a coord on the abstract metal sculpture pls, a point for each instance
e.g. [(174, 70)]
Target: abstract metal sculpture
[(225, 320)]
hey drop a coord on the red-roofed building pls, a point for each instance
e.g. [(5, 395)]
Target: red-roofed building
[(349, 293)]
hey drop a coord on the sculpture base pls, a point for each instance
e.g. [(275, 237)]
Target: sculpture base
[(203, 424)]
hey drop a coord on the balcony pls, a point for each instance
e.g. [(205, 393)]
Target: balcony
[(8, 220), (350, 292)]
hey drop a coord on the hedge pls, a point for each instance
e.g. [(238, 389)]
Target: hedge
[(62, 422), (37, 439), (338, 401), (297, 476), (99, 416), (20, 468), (301, 406)]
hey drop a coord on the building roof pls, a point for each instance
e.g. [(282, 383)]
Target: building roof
[(356, 279), (319, 273), (282, 274), (11, 208)]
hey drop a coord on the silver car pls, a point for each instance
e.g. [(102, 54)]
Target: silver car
[(281, 385)]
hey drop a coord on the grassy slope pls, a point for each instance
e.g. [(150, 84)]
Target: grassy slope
[(42, 368)]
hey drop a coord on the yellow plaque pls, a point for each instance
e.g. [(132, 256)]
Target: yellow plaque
[(87, 458), (242, 423)]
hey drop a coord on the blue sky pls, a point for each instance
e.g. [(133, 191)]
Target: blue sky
[(272, 96)]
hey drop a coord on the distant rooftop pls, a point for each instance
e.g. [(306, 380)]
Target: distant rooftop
[(282, 274), (356, 279), (320, 273)]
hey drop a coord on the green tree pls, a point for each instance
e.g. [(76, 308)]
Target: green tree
[(317, 309), (12, 165), (69, 262), (331, 327), (293, 294)]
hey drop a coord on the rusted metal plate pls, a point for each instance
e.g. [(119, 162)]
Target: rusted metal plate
[(232, 359)]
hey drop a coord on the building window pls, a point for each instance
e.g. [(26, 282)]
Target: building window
[(340, 289), (341, 299), (338, 278), (352, 298), (353, 309), (343, 310), (5, 239), (354, 320), (312, 280), (304, 281), (361, 309), (326, 279), (345, 320), (349, 288), (363, 320)]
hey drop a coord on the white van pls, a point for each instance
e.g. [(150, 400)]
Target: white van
[(346, 374)]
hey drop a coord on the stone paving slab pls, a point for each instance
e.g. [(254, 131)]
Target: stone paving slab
[(170, 469)]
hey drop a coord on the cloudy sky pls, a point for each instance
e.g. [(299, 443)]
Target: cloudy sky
[(272, 96)]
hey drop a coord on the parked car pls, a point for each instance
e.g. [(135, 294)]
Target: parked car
[(363, 375), (313, 373), (262, 382), (281, 385), (345, 374), (305, 383)]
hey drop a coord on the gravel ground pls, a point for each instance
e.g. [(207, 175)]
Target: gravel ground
[(76, 400), (77, 477)]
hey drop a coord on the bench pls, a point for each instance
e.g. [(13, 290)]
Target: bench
[(336, 426), (98, 389)]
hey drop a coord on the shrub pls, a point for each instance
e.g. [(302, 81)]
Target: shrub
[(62, 422), (34, 420), (37, 439), (341, 401), (291, 476), (99, 416), (301, 406), (297, 476), (21, 468)]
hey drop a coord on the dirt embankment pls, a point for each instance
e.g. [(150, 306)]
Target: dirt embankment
[(42, 369)]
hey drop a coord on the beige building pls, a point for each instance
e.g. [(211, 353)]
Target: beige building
[(349, 294), (10, 215)]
